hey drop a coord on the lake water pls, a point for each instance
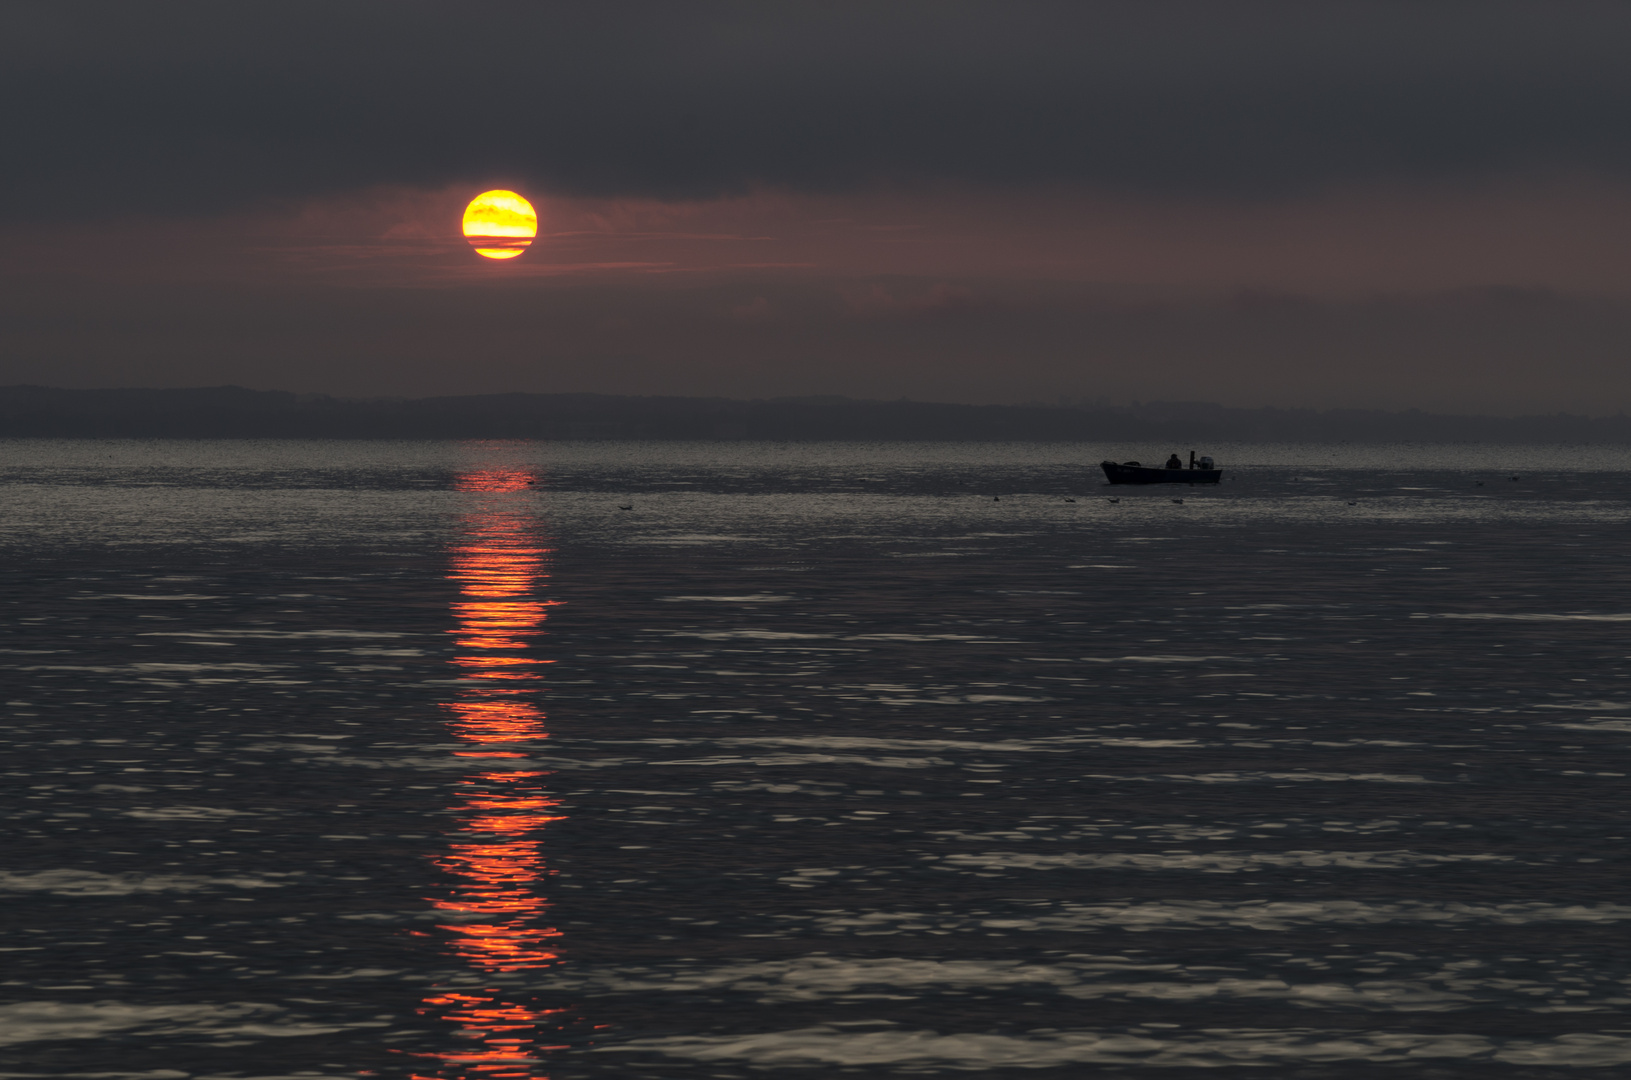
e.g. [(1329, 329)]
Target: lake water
[(525, 760)]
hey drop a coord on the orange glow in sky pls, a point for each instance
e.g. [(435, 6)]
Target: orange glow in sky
[(496, 904), (500, 224)]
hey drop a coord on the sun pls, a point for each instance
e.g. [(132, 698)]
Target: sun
[(500, 224)]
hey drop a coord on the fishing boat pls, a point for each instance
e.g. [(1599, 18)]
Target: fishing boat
[(1200, 471)]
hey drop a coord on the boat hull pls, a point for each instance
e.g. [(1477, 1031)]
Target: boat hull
[(1138, 474)]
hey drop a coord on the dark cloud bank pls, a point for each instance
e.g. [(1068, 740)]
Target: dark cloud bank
[(1370, 204), (190, 107), (239, 413)]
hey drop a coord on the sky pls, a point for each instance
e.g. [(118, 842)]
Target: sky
[(1375, 205)]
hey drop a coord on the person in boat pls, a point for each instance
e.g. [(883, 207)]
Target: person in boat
[(1173, 462)]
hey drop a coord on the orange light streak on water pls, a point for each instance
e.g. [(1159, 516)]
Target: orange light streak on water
[(495, 862)]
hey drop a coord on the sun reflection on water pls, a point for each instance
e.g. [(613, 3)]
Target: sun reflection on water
[(496, 903)]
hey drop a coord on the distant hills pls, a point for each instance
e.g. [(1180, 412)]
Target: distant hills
[(233, 412)]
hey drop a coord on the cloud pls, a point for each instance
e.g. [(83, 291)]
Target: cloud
[(757, 310), (1511, 298), (880, 301), (188, 106)]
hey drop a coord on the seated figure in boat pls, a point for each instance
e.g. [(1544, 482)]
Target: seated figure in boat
[(1174, 462)]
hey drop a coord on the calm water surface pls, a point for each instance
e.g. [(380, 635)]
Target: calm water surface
[(527, 760)]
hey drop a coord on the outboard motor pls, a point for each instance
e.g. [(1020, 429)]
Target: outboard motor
[(1206, 463)]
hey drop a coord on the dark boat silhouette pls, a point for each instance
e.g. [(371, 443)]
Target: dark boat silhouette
[(1131, 472)]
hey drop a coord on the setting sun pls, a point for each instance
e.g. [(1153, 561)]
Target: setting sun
[(500, 224)]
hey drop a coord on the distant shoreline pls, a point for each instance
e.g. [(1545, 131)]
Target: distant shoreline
[(231, 412)]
